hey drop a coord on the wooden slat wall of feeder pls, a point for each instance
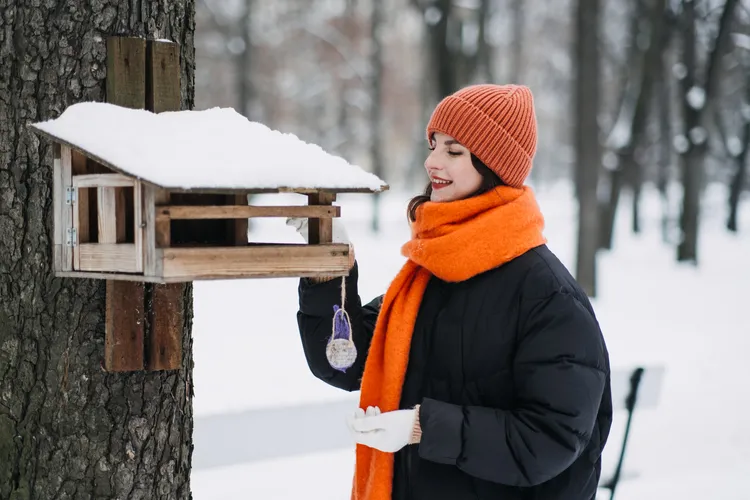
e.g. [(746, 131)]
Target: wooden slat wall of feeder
[(116, 202), (255, 260)]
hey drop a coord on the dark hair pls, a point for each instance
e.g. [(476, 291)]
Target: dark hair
[(490, 180)]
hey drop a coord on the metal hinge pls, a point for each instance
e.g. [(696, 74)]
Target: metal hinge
[(72, 237), (70, 195)]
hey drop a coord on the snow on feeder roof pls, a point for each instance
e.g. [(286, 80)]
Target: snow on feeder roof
[(213, 150)]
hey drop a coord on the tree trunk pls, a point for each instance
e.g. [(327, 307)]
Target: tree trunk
[(516, 42), (636, 183), (630, 129), (443, 60), (245, 92), (692, 175), (694, 112), (735, 189), (376, 91), (738, 180), (588, 153), (67, 428), (663, 100), (485, 51)]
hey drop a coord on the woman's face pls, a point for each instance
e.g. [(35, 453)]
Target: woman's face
[(451, 172)]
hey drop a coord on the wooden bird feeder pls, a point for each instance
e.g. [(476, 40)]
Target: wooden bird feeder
[(115, 222), (149, 197)]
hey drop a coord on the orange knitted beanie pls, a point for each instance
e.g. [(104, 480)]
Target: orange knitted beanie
[(496, 123)]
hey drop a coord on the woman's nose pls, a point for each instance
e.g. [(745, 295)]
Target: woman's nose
[(429, 163)]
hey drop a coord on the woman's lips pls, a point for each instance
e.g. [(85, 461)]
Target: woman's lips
[(438, 183)]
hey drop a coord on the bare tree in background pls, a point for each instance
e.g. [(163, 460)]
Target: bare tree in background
[(663, 96), (697, 95), (587, 147), (740, 154), (245, 92), (737, 145), (377, 17), (457, 50), (627, 138), (516, 43)]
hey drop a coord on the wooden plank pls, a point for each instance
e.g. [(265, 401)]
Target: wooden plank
[(111, 218), (111, 276), (281, 189), (121, 207), (149, 236), (79, 163), (238, 227), (82, 215), (164, 345), (138, 230), (58, 207), (163, 84), (126, 72), (66, 160), (115, 257), (163, 233), (125, 300), (243, 212), (85, 198), (320, 230), (123, 339), (102, 180), (156, 233), (254, 261), (77, 226), (107, 214)]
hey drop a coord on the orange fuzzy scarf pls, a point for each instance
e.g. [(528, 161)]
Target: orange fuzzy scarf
[(454, 241)]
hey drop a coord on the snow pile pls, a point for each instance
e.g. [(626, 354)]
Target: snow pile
[(215, 148)]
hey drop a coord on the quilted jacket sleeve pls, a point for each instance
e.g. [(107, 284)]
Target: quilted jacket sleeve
[(315, 319), (560, 370)]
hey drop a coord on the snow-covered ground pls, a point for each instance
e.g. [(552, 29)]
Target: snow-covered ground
[(693, 321)]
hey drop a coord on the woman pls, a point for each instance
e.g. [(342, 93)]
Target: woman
[(483, 369)]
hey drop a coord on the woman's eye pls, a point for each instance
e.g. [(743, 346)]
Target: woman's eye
[(455, 153)]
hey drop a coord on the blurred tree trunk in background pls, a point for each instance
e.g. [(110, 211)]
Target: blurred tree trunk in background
[(457, 54), (697, 95), (587, 147), (377, 17), (245, 94), (662, 100), (627, 138), (516, 42), (740, 159)]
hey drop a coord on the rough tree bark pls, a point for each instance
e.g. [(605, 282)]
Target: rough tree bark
[(587, 147), (67, 428)]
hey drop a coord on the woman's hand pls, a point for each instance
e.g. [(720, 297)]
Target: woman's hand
[(387, 432), (340, 235)]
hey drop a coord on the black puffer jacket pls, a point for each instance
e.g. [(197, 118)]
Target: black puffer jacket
[(512, 373)]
